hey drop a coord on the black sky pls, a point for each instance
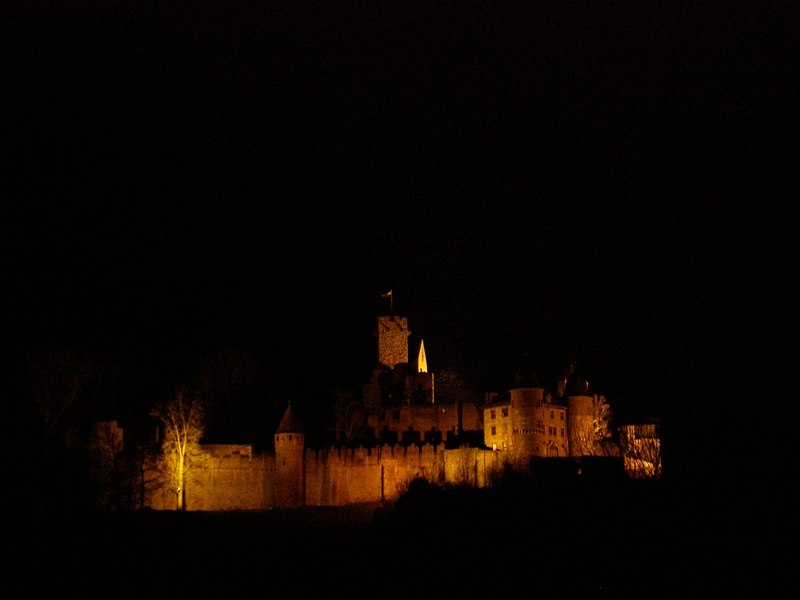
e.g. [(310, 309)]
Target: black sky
[(604, 182)]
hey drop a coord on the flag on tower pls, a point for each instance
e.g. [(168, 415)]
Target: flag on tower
[(391, 300)]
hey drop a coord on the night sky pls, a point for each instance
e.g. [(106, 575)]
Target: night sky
[(601, 182)]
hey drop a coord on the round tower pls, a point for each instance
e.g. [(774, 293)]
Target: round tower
[(527, 413), (580, 417), (289, 464)]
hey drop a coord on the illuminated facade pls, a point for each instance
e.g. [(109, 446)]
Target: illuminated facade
[(405, 434), (231, 477), (530, 423)]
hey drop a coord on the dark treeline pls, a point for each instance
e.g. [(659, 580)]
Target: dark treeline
[(55, 397)]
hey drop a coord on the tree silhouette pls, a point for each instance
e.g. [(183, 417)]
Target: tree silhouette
[(348, 414), (58, 380), (601, 422)]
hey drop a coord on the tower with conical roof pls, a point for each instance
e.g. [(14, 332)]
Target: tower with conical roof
[(289, 464)]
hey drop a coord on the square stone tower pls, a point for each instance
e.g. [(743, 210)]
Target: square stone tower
[(392, 340)]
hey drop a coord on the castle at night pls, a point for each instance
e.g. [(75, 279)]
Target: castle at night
[(406, 433)]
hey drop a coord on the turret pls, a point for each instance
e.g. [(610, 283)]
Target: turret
[(290, 472)]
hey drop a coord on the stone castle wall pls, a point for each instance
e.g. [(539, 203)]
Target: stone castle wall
[(416, 421), (226, 477), (238, 480)]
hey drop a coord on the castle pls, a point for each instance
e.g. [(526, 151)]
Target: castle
[(409, 430)]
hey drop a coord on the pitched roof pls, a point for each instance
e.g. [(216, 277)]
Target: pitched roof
[(289, 423)]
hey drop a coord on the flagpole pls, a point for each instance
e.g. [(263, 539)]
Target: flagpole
[(391, 301)]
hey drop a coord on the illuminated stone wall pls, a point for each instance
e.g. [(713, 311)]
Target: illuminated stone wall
[(529, 424), (238, 480), (233, 483), (497, 426), (289, 470), (226, 477), (472, 466), (336, 477), (392, 340)]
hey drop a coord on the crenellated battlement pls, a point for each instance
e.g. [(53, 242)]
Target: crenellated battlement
[(393, 451), (399, 406)]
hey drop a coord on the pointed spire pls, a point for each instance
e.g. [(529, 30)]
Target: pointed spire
[(290, 423), (422, 361)]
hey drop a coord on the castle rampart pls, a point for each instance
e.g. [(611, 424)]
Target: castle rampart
[(239, 480), (224, 477)]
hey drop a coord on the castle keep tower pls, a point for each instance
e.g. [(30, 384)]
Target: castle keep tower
[(289, 464), (392, 340)]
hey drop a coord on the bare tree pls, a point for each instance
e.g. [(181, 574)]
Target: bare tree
[(641, 450), (106, 452), (232, 383), (58, 381), (183, 420), (601, 424), (348, 414)]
